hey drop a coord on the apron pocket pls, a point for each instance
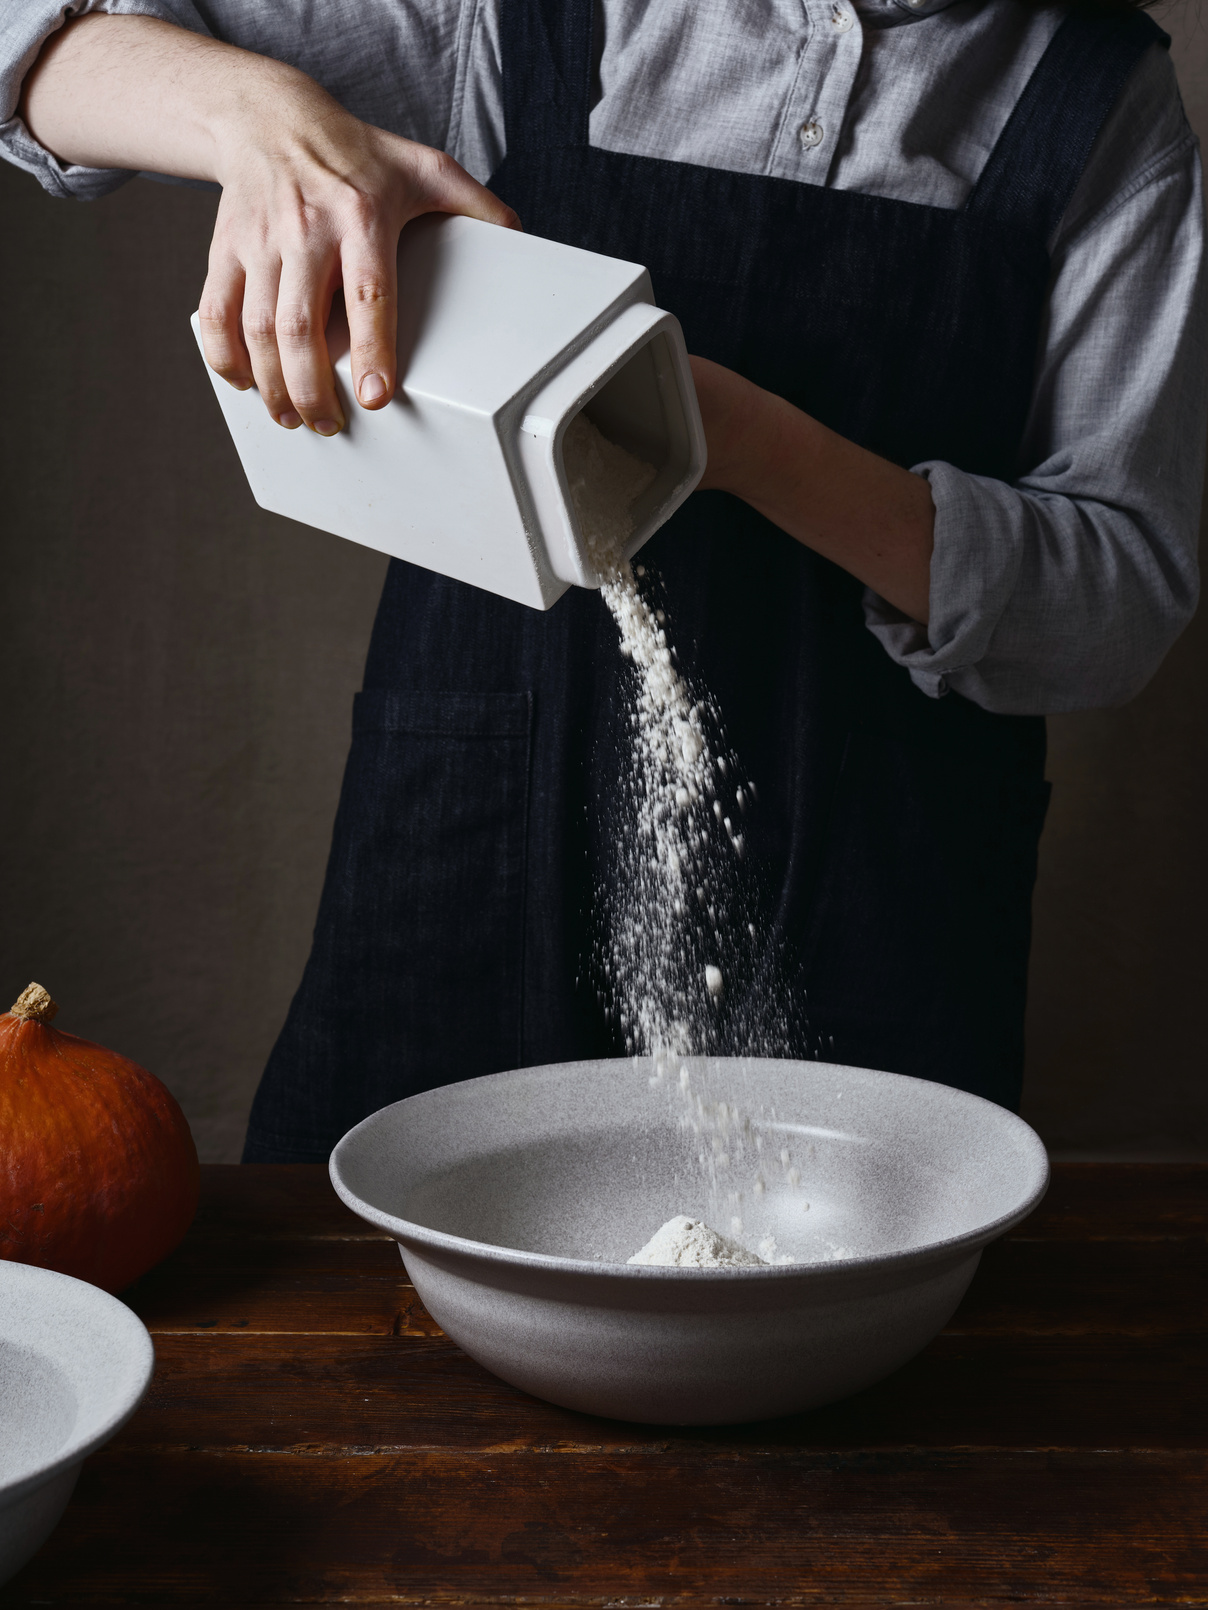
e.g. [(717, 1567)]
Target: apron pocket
[(415, 977)]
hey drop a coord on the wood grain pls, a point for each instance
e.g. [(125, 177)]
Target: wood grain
[(300, 1287), (290, 1287), (1121, 1201), (222, 1392), (239, 1200), (311, 1437), (436, 1527)]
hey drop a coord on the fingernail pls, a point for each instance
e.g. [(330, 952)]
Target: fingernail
[(289, 419), (373, 389), (327, 427), (240, 385)]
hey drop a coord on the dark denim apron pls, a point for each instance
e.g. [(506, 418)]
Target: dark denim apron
[(895, 838)]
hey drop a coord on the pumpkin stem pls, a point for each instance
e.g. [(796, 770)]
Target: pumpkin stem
[(34, 1002)]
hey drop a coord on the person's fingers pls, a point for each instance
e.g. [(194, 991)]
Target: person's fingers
[(370, 272), (263, 279), (218, 315), (264, 315), (303, 303), (449, 188)]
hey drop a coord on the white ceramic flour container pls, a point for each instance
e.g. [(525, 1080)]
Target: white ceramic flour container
[(503, 338)]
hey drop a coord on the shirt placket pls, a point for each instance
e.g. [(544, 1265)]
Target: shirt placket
[(813, 119)]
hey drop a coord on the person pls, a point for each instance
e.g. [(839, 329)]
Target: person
[(940, 268)]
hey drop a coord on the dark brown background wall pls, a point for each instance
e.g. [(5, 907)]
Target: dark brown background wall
[(178, 668)]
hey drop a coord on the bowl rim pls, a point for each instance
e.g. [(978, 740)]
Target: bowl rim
[(406, 1230), (141, 1348)]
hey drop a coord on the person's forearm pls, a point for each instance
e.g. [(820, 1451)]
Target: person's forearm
[(135, 92), (871, 517), (313, 199)]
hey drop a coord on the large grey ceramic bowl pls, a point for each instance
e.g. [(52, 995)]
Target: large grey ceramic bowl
[(74, 1363), (517, 1199)]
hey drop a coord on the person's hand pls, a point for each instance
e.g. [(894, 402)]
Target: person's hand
[(312, 198)]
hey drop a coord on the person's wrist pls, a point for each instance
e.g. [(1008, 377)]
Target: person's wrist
[(266, 105), (737, 462), (731, 408)]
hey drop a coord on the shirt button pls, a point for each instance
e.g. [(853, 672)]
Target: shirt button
[(841, 19), (810, 133)]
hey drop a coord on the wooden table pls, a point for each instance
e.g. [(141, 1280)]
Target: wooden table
[(312, 1437)]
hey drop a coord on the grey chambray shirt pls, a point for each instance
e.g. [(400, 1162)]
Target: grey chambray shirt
[(1059, 591)]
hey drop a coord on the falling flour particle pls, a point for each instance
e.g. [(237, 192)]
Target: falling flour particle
[(673, 901), (685, 1243), (668, 840)]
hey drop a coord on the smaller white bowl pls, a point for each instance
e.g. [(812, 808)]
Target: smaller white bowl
[(74, 1365)]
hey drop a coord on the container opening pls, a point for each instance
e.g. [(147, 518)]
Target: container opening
[(641, 409)]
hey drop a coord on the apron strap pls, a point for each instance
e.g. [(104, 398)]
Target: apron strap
[(546, 46), (1039, 157)]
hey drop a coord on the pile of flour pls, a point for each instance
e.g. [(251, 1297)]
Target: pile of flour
[(605, 482), (685, 1243), (671, 925)]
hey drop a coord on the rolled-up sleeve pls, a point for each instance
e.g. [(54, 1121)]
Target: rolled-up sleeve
[(1064, 589), (25, 26), (397, 64)]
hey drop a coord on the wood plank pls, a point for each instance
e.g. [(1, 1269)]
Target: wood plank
[(240, 1390), (478, 1601), (288, 1287), (1049, 1447), (1121, 1201), (358, 1287), (439, 1527), (1070, 1288), (283, 1200)]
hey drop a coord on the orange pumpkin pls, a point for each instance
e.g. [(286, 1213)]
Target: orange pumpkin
[(98, 1170)]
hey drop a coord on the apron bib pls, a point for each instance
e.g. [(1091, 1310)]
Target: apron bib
[(895, 838)]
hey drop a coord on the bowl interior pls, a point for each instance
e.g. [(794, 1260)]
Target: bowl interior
[(586, 1160), (74, 1363)]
